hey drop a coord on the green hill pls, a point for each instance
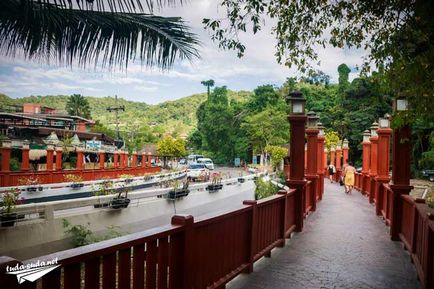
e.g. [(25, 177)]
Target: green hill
[(177, 117)]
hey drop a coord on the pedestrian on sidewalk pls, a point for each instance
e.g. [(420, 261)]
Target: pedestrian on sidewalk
[(342, 181), (332, 171), (349, 177)]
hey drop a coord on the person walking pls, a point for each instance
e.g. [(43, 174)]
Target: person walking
[(349, 177), (332, 171)]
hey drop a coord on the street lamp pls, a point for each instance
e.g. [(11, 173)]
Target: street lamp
[(400, 103), (297, 102), (366, 136), (385, 121), (345, 144), (312, 119), (320, 128), (374, 128)]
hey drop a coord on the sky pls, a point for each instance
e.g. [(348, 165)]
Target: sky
[(20, 77)]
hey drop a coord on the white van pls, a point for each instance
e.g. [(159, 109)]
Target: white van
[(207, 162), (193, 158)]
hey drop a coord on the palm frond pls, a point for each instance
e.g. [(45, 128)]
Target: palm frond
[(86, 36)]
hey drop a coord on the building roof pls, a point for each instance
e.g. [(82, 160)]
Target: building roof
[(21, 116)]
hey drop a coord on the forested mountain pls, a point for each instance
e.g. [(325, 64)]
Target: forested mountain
[(176, 117)]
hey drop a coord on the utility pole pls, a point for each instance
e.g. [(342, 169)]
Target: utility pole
[(116, 109)]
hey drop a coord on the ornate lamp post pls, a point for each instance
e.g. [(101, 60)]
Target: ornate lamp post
[(6, 157), (401, 152), (338, 162), (332, 154), (312, 132), (25, 151), (366, 158), (320, 159), (345, 150), (297, 120), (383, 159), (374, 155)]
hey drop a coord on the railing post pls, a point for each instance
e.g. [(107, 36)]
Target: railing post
[(143, 162), (59, 152), (366, 158), (373, 172), (121, 159), (25, 150), (134, 159), (10, 281), (79, 164), (383, 161), (312, 163), (253, 235), (6, 157), (101, 159), (297, 121), (126, 164), (338, 162), (188, 268), (50, 153), (149, 159), (401, 151), (116, 159), (320, 165)]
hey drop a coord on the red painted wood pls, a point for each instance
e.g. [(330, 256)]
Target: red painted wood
[(72, 276), (163, 255), (109, 271), (151, 264), (139, 266), (51, 280), (91, 273)]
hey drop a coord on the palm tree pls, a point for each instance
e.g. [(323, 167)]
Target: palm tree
[(78, 105), (208, 83), (103, 32)]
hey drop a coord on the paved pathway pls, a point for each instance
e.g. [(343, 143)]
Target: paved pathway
[(343, 245)]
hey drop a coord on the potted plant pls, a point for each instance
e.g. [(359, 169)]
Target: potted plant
[(120, 201), (216, 183), (32, 183), (76, 180), (178, 191), (10, 199), (241, 179), (104, 188), (127, 178)]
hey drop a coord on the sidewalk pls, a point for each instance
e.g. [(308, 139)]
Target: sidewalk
[(343, 245)]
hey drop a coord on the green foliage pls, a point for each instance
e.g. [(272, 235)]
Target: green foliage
[(10, 199), (14, 164), (105, 34), (332, 138), (264, 188), (78, 105), (427, 160), (277, 154), (82, 235), (169, 146)]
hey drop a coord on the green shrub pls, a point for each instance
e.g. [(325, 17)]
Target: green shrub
[(427, 160), (14, 165), (264, 189)]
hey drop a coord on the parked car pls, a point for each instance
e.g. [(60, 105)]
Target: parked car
[(192, 159), (429, 174), (207, 162), (197, 172)]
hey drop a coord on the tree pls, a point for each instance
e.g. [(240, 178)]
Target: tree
[(277, 154), (78, 105), (208, 83), (170, 147), (103, 32), (397, 36)]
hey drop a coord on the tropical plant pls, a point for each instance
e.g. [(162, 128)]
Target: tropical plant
[(103, 32), (208, 83), (277, 154), (10, 199), (78, 105), (264, 188)]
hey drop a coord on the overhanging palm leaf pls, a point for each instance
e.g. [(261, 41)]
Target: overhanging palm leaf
[(49, 30)]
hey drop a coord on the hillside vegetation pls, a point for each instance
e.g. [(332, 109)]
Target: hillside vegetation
[(176, 118)]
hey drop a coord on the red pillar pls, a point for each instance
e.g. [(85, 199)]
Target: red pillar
[(149, 160), (325, 162), (373, 172), (296, 168), (320, 168), (312, 163), (126, 164), (305, 157), (134, 159), (345, 151), (366, 159), (50, 153), (59, 152), (401, 152), (121, 159), (115, 159), (143, 159), (338, 162), (383, 161), (101, 159), (25, 166), (332, 154), (6, 158), (80, 156)]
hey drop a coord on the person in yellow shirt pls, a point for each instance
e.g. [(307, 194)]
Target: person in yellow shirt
[(349, 177)]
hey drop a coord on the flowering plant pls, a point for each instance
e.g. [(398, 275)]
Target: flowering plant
[(10, 199), (28, 181), (216, 178), (73, 178)]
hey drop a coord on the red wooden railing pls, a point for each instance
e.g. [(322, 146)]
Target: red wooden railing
[(50, 177), (203, 253), (415, 228)]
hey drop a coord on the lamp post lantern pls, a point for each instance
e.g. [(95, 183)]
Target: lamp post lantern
[(297, 121), (373, 161), (366, 161), (312, 132), (321, 163)]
